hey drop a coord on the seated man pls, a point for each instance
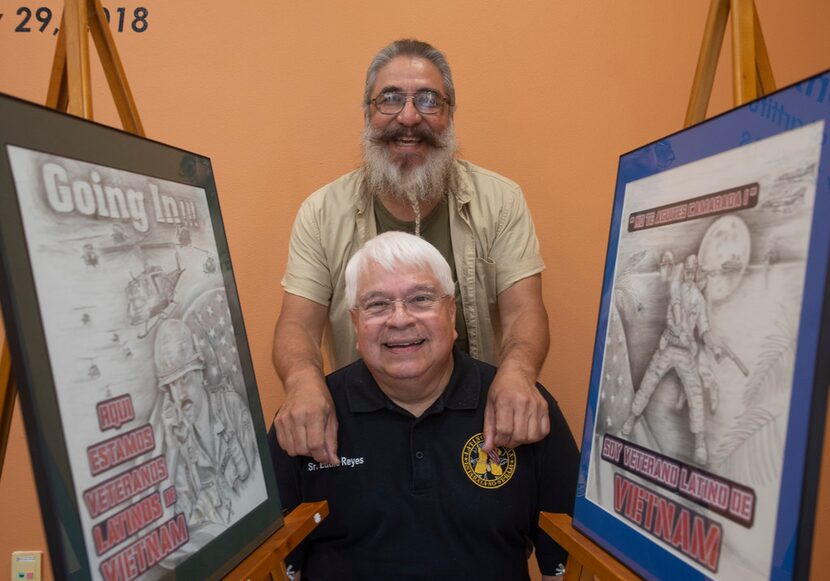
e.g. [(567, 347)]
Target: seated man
[(414, 495)]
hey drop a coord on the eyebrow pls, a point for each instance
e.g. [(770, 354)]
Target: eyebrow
[(390, 89), (395, 89), (418, 288)]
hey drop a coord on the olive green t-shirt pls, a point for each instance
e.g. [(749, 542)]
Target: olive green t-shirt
[(435, 229)]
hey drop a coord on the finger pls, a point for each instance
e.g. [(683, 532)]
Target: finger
[(315, 434), (522, 418), (538, 424), (284, 437), (505, 425), (331, 441), (489, 426)]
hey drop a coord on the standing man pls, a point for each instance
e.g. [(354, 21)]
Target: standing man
[(416, 496), (682, 348), (410, 180)]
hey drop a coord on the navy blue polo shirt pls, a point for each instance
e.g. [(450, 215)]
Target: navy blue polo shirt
[(416, 498)]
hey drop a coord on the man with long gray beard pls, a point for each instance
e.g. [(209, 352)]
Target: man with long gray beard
[(411, 181)]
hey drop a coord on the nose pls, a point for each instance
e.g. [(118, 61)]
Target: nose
[(409, 115), (400, 317)]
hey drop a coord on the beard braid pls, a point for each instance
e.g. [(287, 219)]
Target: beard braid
[(427, 182)]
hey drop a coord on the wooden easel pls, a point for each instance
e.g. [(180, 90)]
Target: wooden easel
[(751, 78), (70, 90)]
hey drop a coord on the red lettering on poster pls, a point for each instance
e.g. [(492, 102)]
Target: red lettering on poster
[(124, 486), (690, 533), (119, 449), (114, 413), (138, 557), (122, 525)]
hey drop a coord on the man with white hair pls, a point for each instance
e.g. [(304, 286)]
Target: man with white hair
[(411, 181), (415, 495)]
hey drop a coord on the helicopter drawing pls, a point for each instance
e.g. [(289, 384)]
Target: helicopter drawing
[(93, 371), (150, 293), (90, 256)]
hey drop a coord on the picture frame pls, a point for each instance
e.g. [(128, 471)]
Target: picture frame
[(129, 352), (708, 389)]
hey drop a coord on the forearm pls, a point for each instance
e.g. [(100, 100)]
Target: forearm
[(296, 356), (297, 336), (524, 321), (525, 342), (516, 412)]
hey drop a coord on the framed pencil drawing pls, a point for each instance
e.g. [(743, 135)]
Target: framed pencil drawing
[(129, 351), (709, 383)]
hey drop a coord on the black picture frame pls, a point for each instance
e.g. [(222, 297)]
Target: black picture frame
[(129, 352), (708, 392)]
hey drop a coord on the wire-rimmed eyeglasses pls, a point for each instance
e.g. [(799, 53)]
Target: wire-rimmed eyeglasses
[(416, 304), (426, 101)]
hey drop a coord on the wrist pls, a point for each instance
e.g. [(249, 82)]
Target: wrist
[(304, 379)]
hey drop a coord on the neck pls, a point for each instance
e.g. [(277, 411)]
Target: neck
[(403, 210), (412, 394)]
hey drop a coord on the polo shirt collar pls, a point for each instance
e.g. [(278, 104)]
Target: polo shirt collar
[(462, 392)]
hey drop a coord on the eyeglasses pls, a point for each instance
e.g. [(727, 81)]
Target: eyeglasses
[(427, 102), (417, 304)]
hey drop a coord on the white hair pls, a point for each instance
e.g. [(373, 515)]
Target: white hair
[(392, 250)]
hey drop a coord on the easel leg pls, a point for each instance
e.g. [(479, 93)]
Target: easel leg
[(573, 571), (765, 78), (113, 69), (707, 62), (76, 25), (744, 71), (57, 97), (7, 393)]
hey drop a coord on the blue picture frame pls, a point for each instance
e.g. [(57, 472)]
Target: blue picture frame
[(708, 390)]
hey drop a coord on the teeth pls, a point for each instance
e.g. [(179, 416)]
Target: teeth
[(405, 344)]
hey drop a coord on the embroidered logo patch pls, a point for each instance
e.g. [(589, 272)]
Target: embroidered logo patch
[(487, 471)]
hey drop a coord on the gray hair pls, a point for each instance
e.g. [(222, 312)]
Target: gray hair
[(414, 48), (392, 250)]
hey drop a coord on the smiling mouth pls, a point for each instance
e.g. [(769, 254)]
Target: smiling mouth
[(404, 344), (407, 141)]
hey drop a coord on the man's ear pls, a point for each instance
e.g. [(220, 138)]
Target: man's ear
[(452, 314)]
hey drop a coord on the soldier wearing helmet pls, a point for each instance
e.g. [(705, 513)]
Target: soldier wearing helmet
[(687, 324), (203, 429)]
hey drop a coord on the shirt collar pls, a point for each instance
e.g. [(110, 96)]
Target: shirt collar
[(462, 392)]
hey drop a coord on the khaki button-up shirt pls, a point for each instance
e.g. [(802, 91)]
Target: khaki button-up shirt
[(493, 240)]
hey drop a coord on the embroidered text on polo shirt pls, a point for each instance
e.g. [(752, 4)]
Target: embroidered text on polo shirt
[(344, 463)]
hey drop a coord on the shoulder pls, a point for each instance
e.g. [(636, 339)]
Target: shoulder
[(338, 381), (341, 193), (485, 181), (489, 196)]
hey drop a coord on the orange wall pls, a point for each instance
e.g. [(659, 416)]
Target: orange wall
[(550, 94)]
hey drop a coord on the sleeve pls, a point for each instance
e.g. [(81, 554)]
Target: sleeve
[(515, 250), (307, 273), (287, 470), (559, 458)]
